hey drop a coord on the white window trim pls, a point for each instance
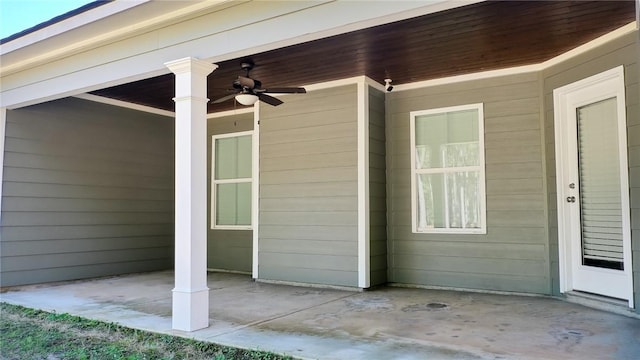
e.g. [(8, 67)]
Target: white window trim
[(481, 167), (215, 182)]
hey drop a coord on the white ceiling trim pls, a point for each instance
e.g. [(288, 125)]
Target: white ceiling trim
[(124, 104), (219, 114), (622, 31)]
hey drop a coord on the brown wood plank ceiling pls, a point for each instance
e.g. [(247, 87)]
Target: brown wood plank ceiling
[(478, 37)]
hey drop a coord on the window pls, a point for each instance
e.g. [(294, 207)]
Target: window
[(447, 170), (231, 181)]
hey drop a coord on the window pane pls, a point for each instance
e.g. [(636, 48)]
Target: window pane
[(447, 139), (226, 160), (459, 154), (244, 156), (233, 204), (448, 201), (233, 157), (243, 214)]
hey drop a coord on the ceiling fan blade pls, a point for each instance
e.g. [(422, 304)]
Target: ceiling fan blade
[(224, 98), (269, 99), (287, 90)]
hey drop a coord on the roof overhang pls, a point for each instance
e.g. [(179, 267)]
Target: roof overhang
[(119, 49), (125, 41)]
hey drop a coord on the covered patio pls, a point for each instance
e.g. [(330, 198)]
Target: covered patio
[(93, 112), (385, 323)]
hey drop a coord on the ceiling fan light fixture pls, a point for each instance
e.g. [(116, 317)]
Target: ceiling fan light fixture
[(246, 99)]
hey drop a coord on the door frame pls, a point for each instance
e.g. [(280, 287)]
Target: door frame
[(562, 113)]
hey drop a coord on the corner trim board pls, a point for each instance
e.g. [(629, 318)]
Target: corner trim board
[(3, 123), (364, 271), (255, 190)]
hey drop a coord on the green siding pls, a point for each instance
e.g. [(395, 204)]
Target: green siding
[(513, 255), (308, 188), (622, 51), (87, 192), (227, 249), (377, 189)]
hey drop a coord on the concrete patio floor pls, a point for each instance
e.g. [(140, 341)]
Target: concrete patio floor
[(385, 323)]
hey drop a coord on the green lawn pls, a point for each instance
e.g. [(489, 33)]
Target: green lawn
[(33, 334)]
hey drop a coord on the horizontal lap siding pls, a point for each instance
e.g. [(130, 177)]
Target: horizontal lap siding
[(377, 188), (513, 255), (227, 249), (308, 188), (87, 191), (622, 51)]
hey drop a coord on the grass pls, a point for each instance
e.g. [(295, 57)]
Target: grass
[(33, 334)]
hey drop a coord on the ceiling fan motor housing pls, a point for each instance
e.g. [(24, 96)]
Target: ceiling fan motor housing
[(245, 85)]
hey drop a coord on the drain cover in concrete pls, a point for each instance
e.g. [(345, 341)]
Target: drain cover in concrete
[(425, 307)]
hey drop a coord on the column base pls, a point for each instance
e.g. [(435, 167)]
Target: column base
[(190, 309)]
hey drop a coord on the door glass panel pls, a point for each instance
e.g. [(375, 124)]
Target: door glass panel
[(600, 200)]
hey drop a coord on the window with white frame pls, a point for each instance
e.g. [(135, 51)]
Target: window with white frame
[(447, 170), (232, 180)]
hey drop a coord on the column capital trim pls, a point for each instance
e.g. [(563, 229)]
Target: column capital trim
[(189, 65)]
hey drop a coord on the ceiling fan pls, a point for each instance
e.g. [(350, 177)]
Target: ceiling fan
[(248, 90)]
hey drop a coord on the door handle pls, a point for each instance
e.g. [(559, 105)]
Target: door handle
[(571, 199)]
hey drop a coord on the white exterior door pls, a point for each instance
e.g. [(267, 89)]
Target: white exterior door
[(592, 183)]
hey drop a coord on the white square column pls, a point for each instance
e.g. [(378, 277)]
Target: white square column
[(191, 295)]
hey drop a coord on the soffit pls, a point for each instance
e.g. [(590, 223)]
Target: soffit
[(478, 37)]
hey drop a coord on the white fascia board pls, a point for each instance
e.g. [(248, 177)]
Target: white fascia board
[(107, 28), (69, 24), (125, 63)]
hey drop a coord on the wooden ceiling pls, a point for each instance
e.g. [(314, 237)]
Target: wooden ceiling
[(478, 37)]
